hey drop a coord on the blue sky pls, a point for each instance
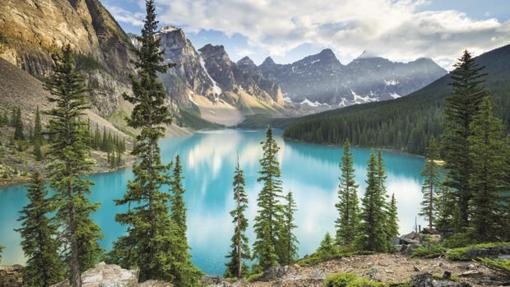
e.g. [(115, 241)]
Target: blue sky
[(288, 30)]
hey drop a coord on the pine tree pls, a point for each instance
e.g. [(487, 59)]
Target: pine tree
[(149, 227), (97, 138), (447, 216), (347, 205), (372, 234), (182, 269), (39, 241), (269, 215), (37, 136), (460, 108), (288, 249), (327, 246), (69, 159), (240, 251), (18, 126), (489, 153), (431, 183), (392, 226), (104, 143)]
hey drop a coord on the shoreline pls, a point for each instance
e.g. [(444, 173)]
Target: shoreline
[(6, 183)]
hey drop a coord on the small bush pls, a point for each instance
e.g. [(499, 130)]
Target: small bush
[(473, 251), (500, 265), (349, 280), (254, 277), (429, 251)]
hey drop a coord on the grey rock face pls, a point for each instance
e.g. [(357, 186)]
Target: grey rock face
[(322, 78), (189, 72)]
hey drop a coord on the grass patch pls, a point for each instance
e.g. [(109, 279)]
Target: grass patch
[(473, 251), (431, 250), (349, 280), (190, 118), (499, 265), (254, 277)]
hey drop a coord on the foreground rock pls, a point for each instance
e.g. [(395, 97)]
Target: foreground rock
[(110, 275), (10, 276)]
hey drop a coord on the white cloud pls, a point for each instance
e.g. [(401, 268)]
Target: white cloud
[(393, 28), (124, 16)]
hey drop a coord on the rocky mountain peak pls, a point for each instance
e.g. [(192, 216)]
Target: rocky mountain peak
[(246, 61), (268, 63)]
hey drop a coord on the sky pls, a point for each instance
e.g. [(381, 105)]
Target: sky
[(288, 30)]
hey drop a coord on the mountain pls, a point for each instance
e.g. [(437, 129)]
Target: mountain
[(207, 84), (31, 30), (322, 80), (405, 123)]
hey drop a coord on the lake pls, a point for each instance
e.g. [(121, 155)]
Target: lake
[(310, 171)]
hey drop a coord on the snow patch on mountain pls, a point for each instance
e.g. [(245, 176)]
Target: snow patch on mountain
[(216, 89), (391, 82), (395, 95), (360, 99)]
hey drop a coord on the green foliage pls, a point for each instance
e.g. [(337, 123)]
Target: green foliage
[(347, 205), (392, 223), (431, 183), (17, 123), (269, 215), (349, 280), (37, 138), (429, 250), (182, 269), (149, 242), (499, 265), (288, 243), (69, 157), (39, 238), (87, 63), (470, 252), (372, 234), (240, 251), (489, 153), (254, 277), (460, 109)]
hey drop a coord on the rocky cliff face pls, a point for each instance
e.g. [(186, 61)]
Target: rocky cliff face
[(208, 81), (321, 80), (31, 30)]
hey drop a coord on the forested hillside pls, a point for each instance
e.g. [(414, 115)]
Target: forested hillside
[(405, 123)]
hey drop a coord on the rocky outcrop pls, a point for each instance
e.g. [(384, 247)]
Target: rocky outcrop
[(30, 31), (322, 80), (110, 275), (11, 276)]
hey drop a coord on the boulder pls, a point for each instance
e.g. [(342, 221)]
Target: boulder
[(107, 275), (427, 280), (273, 273), (11, 276)]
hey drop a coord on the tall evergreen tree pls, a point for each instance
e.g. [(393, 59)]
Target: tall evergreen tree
[(39, 238), (149, 235), (288, 249), (460, 108), (347, 205), (37, 139), (372, 234), (327, 246), (18, 126), (489, 153), (447, 217), (392, 226), (240, 251), (69, 159), (182, 269), (269, 215), (431, 183)]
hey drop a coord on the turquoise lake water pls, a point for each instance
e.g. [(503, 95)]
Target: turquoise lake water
[(309, 171)]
